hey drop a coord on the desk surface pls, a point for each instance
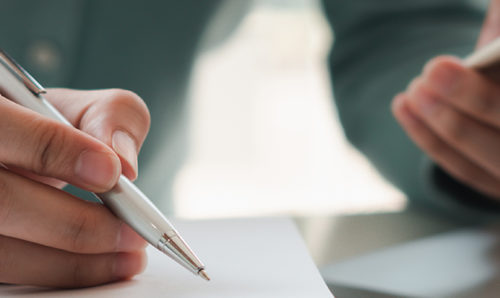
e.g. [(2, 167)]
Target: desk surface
[(332, 239), (367, 242)]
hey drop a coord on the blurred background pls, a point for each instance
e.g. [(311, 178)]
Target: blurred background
[(263, 130)]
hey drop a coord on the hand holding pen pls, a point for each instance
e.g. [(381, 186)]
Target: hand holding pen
[(48, 237), (62, 155), (452, 111)]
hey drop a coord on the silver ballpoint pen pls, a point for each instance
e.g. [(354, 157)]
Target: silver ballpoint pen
[(125, 200)]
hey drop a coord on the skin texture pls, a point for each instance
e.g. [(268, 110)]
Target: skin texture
[(452, 113), (47, 236)]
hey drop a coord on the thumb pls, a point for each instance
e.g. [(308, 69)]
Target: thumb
[(491, 25), (118, 118)]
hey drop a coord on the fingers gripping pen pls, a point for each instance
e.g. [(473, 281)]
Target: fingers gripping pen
[(125, 200)]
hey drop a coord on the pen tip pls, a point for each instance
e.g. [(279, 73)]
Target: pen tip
[(204, 275)]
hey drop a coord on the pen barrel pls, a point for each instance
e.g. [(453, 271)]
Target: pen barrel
[(484, 57), (15, 90), (127, 202)]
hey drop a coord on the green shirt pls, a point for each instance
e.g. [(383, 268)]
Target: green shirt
[(148, 47), (145, 46)]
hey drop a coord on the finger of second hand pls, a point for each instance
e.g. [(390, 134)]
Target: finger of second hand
[(443, 154), (472, 138), (465, 89), (42, 214), (32, 264)]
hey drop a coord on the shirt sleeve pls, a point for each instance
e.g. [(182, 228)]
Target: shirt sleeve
[(379, 47)]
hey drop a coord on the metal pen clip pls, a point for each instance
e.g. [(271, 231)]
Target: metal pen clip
[(22, 74)]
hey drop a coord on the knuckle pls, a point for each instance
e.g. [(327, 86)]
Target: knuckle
[(435, 147), (50, 139), (90, 270), (454, 126), (121, 98), (76, 265), (6, 200), (7, 261), (433, 65), (484, 105), (124, 97), (80, 230)]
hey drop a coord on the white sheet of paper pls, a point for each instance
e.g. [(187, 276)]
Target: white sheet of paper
[(244, 257)]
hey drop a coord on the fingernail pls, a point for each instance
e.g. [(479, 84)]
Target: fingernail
[(129, 240), (125, 146), (99, 169), (401, 111), (445, 79), (426, 104), (129, 264), (397, 102)]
